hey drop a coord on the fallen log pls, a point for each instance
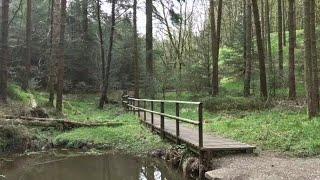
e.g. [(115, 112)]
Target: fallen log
[(61, 124)]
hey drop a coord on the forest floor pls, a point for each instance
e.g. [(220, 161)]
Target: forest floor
[(288, 143)]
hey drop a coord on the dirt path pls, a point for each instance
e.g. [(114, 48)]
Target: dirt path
[(266, 166)]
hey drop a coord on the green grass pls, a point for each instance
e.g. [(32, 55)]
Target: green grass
[(132, 137), (287, 131)]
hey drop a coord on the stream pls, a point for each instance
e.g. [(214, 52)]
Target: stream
[(75, 166)]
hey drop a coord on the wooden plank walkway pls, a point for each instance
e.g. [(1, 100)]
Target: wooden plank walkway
[(189, 135)]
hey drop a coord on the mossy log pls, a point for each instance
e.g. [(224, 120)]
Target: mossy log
[(61, 124)]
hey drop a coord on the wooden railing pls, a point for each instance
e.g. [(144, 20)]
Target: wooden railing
[(137, 105)]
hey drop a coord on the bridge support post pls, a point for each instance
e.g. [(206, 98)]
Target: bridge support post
[(162, 121), (204, 163)]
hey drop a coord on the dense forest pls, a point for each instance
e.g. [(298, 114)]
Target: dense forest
[(253, 64), (187, 46)]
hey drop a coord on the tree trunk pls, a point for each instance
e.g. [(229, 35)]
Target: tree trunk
[(104, 96), (215, 38), (136, 53), (262, 68), (310, 73), (27, 62), (55, 48), (284, 22), (292, 43), (60, 60), (280, 43), (85, 22), (314, 54), (103, 62), (248, 48), (149, 51), (272, 76), (4, 58)]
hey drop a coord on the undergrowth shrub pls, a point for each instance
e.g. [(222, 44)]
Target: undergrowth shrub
[(234, 103)]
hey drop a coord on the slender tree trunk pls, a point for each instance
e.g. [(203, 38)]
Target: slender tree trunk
[(215, 36), (60, 60), (4, 58), (149, 50), (280, 43), (284, 14), (85, 22), (314, 55), (262, 68), (102, 55), (135, 53), (248, 47), (310, 66), (55, 48), (104, 94), (272, 76), (292, 44), (27, 62), (51, 64)]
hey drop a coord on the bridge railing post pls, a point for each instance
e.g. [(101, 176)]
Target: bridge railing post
[(152, 116), (200, 125), (144, 112), (134, 104), (178, 123), (162, 120), (138, 110)]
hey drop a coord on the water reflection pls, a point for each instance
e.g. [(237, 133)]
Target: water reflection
[(106, 167)]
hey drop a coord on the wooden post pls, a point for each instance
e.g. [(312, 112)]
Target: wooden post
[(152, 116), (178, 123), (138, 110), (162, 121), (134, 109), (145, 113), (128, 103), (200, 125), (201, 165)]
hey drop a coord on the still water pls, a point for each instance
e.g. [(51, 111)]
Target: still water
[(110, 166)]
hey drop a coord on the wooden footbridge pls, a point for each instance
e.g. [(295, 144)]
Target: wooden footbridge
[(182, 130)]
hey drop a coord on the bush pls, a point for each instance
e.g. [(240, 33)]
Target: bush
[(14, 139), (16, 93), (233, 103)]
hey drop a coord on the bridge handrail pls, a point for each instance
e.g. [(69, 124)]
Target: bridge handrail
[(130, 104), (166, 101)]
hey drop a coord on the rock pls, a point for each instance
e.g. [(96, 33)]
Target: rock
[(159, 153), (226, 174), (174, 158), (39, 112), (190, 168)]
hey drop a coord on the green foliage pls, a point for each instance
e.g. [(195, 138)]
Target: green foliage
[(16, 93), (227, 103)]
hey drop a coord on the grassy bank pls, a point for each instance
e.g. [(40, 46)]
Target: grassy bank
[(132, 137)]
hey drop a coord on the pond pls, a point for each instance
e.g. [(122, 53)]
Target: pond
[(111, 166)]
